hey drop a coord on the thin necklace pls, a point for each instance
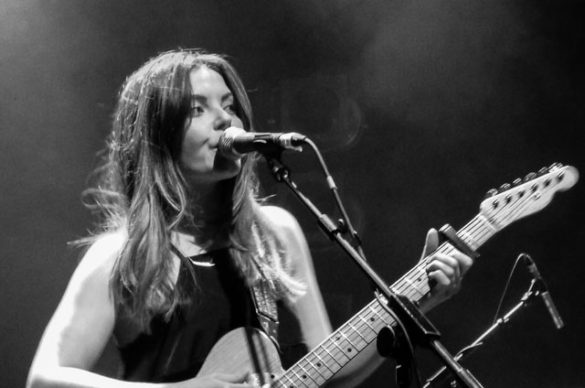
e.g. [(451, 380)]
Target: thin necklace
[(200, 263), (207, 263)]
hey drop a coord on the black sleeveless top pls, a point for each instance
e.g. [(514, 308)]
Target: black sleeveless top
[(176, 349)]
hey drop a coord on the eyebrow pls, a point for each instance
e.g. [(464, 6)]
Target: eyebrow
[(201, 98)]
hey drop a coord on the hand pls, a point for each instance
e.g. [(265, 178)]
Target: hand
[(217, 380), (445, 272)]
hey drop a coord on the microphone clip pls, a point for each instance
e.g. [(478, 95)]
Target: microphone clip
[(539, 288)]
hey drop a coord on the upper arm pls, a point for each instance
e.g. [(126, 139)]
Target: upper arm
[(309, 308), (84, 319)]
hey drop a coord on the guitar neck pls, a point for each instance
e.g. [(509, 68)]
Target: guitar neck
[(499, 210), (317, 367)]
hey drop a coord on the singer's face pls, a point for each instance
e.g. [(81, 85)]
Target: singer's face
[(212, 111)]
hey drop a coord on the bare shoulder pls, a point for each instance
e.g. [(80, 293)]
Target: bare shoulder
[(309, 308), (92, 275), (288, 229), (89, 284), (85, 315), (102, 253), (281, 219)]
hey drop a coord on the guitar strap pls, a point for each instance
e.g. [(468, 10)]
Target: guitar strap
[(266, 310), (264, 304)]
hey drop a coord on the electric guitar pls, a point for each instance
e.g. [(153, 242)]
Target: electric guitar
[(250, 350)]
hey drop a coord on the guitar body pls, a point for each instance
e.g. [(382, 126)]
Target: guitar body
[(244, 350)]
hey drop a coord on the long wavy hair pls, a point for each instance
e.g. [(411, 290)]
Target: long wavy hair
[(141, 191)]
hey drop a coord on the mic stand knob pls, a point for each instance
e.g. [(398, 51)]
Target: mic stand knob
[(422, 332)]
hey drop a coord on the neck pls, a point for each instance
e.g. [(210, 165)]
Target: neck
[(210, 206)]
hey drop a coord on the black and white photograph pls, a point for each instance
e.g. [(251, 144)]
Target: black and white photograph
[(292, 194)]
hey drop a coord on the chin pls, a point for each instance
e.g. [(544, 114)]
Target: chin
[(227, 167)]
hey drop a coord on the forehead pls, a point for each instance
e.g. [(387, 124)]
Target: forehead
[(207, 82)]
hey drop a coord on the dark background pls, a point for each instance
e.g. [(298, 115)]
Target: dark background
[(419, 106)]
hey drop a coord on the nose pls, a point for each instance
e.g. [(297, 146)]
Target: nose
[(223, 120)]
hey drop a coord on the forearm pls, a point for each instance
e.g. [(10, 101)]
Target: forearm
[(67, 377)]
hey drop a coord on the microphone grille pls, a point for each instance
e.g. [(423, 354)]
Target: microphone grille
[(226, 140)]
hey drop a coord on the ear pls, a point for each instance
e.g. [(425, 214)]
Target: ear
[(431, 242)]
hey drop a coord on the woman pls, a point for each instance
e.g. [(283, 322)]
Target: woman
[(183, 240)]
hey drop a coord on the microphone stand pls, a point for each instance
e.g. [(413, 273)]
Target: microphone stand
[(441, 376), (418, 326)]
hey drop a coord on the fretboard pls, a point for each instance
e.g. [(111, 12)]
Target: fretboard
[(319, 365)]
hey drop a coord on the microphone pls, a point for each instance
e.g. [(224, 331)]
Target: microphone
[(235, 142), (546, 297)]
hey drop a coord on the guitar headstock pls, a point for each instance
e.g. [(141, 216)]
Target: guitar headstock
[(527, 196)]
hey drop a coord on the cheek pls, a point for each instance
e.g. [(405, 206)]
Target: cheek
[(191, 146)]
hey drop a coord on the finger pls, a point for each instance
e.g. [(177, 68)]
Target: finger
[(431, 242), (465, 262), (447, 264), (442, 284), (439, 279)]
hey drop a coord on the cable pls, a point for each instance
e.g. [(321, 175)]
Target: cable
[(504, 292), (331, 183)]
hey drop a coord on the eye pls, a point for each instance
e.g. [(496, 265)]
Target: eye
[(196, 110), (230, 108)]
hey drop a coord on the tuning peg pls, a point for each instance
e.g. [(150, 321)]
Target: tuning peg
[(530, 176), (543, 171), (505, 186), (516, 181), (491, 193), (555, 165)]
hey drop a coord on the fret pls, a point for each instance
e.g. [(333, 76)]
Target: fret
[(468, 239), (356, 331), (415, 288), (376, 312), (487, 228), (281, 384), (332, 357), (352, 347), (322, 362), (340, 348), (306, 376), (478, 229), (298, 378), (352, 332), (406, 287), (367, 323), (319, 372)]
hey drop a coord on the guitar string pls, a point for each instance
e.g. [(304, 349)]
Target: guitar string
[(372, 309), (479, 225), (479, 222), (482, 235), (337, 337)]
